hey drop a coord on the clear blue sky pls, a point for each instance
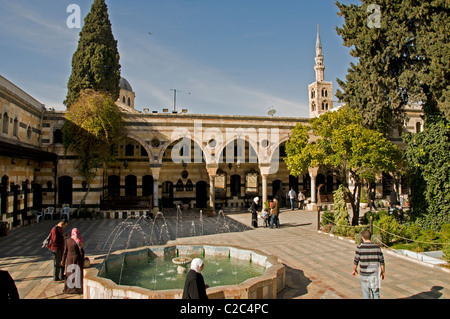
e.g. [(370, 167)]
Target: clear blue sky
[(232, 57)]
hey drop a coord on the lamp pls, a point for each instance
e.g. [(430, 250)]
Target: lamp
[(125, 164), (13, 161)]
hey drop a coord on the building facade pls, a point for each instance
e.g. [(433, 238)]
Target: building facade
[(167, 159)]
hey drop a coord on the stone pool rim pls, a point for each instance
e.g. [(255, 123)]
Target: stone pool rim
[(265, 286)]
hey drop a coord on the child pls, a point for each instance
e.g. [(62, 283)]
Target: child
[(266, 217)]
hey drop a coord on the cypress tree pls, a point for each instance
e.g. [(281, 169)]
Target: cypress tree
[(95, 63)]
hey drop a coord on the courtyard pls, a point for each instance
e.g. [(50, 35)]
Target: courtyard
[(317, 266)]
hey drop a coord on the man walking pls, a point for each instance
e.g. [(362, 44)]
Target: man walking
[(371, 266), (56, 246), (301, 200), (292, 197), (372, 196)]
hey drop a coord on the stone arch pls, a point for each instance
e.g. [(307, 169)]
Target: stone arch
[(142, 143)]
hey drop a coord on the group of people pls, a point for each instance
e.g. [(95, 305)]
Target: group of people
[(269, 215), (68, 257)]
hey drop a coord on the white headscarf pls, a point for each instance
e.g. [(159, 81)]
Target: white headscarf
[(256, 199), (196, 264)]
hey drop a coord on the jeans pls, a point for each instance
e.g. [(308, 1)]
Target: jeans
[(274, 220), (58, 270), (292, 203), (370, 287)]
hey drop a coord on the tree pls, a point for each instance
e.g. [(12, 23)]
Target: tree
[(428, 154), (402, 60), (92, 129), (344, 146), (95, 63)]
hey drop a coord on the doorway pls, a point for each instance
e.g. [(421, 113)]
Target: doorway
[(167, 195), (201, 194)]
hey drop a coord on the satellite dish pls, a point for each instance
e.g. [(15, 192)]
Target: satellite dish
[(272, 111)]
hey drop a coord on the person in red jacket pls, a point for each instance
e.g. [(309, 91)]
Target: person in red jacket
[(56, 246)]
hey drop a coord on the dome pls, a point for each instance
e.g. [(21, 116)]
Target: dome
[(125, 85)]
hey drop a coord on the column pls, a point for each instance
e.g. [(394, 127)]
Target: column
[(156, 169), (212, 170), (264, 173), (313, 174), (212, 193), (155, 194)]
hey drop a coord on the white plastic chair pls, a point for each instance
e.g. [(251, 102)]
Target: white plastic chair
[(38, 215), (49, 211), (64, 211)]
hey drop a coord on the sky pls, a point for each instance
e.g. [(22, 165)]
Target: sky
[(224, 57)]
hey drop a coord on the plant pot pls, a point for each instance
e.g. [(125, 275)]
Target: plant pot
[(185, 206), (211, 214), (3, 229)]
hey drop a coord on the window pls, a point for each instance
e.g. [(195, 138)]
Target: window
[(324, 93), (325, 105), (313, 106), (123, 99), (129, 150), (179, 186), (5, 123), (129, 102), (57, 136), (29, 132), (16, 127), (144, 151), (418, 127), (189, 186)]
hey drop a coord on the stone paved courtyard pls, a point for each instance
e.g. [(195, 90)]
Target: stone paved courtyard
[(317, 266)]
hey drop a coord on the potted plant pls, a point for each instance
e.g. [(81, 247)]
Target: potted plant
[(364, 202), (210, 211), (3, 229), (185, 205)]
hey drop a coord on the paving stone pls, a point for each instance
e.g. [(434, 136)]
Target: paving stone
[(317, 266)]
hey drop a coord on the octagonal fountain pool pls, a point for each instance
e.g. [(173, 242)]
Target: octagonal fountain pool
[(159, 273)]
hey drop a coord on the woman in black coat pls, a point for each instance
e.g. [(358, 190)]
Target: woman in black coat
[(194, 287), (254, 210)]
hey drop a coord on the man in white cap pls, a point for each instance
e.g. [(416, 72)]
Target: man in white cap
[(194, 287)]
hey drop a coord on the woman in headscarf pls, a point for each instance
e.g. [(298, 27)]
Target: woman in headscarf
[(72, 261), (254, 210), (194, 287)]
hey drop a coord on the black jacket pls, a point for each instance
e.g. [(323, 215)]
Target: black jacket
[(8, 289), (194, 287)]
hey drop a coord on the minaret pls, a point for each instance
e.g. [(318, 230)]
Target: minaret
[(320, 92), (319, 67)]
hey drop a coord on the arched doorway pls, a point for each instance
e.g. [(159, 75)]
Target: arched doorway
[(15, 189), (201, 194), (277, 185), (65, 190), (167, 194), (131, 186), (37, 196), (147, 185), (4, 194), (235, 185), (113, 186)]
